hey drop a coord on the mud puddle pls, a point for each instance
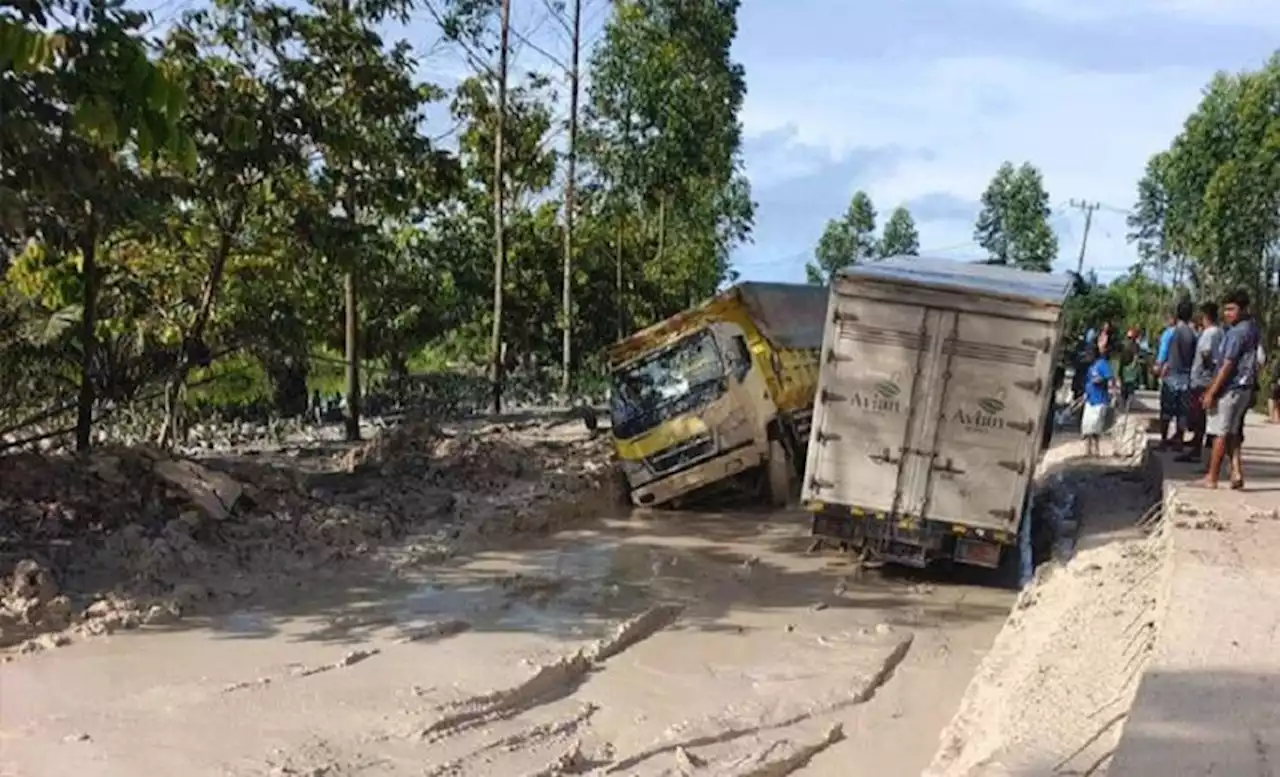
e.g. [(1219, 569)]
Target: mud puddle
[(658, 644)]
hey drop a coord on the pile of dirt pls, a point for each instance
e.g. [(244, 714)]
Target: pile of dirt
[(515, 477), (1051, 696), (132, 536)]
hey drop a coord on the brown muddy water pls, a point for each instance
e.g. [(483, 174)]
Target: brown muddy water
[(653, 644)]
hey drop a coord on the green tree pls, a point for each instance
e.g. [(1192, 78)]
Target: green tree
[(1221, 182), (1089, 304), (358, 111), (79, 99), (1013, 225), (664, 140), (900, 235), (845, 241)]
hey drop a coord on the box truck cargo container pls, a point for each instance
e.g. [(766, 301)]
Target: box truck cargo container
[(935, 385)]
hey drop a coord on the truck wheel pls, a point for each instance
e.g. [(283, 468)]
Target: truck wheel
[(778, 471)]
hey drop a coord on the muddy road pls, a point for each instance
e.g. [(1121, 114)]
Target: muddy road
[(645, 644)]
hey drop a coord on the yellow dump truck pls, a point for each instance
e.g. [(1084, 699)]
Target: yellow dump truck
[(721, 393)]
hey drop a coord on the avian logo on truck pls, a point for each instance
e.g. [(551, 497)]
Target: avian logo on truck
[(991, 405), (986, 417), (882, 399), (887, 389)]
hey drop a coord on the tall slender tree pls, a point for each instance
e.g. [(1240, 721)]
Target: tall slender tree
[(900, 235), (665, 140), (1013, 225), (845, 241)]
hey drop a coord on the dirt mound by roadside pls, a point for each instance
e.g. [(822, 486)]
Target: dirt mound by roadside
[(132, 536), (1051, 696)]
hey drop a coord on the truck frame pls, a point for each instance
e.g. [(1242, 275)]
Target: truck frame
[(935, 385)]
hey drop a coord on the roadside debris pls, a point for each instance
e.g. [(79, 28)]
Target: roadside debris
[(135, 537)]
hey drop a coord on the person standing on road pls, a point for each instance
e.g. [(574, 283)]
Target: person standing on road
[(1203, 369), (1173, 362), (1230, 395), (1130, 368), (1097, 401)]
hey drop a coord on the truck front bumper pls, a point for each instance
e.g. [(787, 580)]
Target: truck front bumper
[(711, 471)]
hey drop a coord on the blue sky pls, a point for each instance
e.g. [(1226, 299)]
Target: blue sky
[(918, 101)]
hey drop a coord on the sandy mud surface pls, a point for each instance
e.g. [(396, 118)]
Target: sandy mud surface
[(466, 602), (661, 644), (1052, 694)]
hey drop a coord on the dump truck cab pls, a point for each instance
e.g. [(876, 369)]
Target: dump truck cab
[(707, 397)]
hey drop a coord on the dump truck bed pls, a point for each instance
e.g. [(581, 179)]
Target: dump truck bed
[(788, 315), (934, 387)]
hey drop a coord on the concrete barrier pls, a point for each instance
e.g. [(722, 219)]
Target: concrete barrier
[(1209, 698)]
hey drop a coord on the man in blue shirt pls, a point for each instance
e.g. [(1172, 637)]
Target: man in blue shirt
[(1230, 395), (1097, 400)]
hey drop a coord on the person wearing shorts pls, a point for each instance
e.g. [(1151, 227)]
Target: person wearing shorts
[(1228, 398), (1097, 401)]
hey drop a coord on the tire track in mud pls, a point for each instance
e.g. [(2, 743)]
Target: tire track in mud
[(299, 671), (719, 729), (783, 756), (552, 682), (526, 738)]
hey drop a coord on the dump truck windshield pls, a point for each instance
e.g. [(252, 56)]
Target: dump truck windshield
[(666, 383)]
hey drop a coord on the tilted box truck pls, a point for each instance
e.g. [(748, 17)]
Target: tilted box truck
[(720, 392), (936, 383)]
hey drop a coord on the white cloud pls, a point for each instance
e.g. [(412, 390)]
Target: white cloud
[(1247, 13), (1090, 133)]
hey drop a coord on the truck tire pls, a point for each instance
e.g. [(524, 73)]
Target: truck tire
[(778, 474)]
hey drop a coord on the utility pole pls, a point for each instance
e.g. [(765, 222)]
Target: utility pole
[(566, 302), (1088, 208), (497, 352)]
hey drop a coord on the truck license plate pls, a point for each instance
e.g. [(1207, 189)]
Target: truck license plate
[(981, 554)]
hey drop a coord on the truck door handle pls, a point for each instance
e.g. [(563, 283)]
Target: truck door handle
[(1019, 467), (884, 457), (1021, 426), (947, 467), (1034, 386)]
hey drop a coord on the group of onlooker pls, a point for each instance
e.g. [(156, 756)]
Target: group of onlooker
[(1208, 370)]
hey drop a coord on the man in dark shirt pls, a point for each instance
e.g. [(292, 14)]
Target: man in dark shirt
[(1229, 396), (1177, 351)]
